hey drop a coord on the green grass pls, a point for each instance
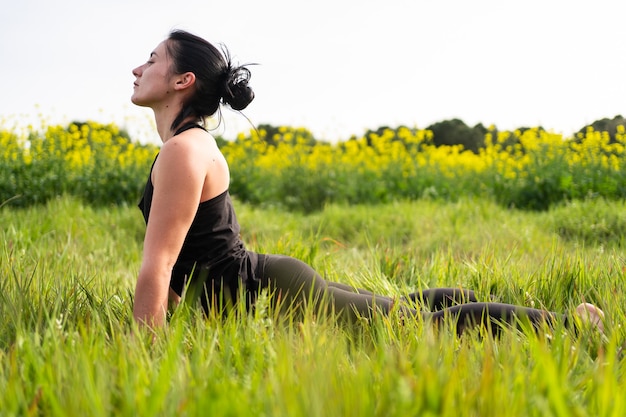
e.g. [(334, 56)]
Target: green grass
[(68, 345)]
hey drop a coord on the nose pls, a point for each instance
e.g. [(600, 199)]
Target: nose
[(137, 71)]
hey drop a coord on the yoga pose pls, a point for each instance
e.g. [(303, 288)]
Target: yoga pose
[(192, 235)]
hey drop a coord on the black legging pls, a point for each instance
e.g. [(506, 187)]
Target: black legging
[(294, 283)]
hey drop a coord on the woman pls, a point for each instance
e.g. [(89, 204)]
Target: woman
[(192, 234)]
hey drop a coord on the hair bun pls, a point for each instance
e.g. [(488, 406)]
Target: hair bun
[(236, 91)]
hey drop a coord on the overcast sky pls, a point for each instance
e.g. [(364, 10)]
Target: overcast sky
[(336, 67)]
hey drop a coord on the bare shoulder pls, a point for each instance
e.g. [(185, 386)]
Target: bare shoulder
[(183, 154), (192, 159), (192, 148), (193, 143)]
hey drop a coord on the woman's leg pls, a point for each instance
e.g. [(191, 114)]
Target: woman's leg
[(295, 283), (349, 288), (435, 299), (494, 315)]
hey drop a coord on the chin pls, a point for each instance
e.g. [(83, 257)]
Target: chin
[(136, 101)]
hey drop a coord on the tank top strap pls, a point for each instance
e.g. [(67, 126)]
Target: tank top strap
[(188, 126)]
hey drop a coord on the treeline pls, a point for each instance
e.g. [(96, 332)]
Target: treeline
[(454, 132)]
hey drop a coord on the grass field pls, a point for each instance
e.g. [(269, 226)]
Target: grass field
[(68, 346)]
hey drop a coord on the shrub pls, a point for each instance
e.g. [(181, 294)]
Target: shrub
[(527, 169), (96, 162)]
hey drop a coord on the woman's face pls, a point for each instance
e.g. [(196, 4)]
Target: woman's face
[(152, 79)]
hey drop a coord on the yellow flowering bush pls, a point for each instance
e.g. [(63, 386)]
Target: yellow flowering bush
[(93, 161), (286, 166), (527, 169)]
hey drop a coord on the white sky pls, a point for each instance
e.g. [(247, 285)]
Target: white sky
[(336, 67)]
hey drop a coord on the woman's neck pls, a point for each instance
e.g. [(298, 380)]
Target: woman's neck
[(164, 126), (164, 118)]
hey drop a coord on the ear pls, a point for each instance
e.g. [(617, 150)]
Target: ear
[(184, 81)]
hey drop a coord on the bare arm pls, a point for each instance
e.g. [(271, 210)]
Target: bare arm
[(178, 178)]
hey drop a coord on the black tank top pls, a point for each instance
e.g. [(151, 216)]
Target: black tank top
[(212, 242)]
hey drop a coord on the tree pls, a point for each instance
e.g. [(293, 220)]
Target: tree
[(456, 132), (605, 125)]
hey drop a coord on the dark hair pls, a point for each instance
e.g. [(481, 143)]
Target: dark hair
[(218, 81)]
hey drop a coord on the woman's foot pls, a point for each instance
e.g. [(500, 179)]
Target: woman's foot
[(591, 314)]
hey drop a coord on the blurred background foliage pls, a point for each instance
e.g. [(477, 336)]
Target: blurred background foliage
[(287, 167)]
